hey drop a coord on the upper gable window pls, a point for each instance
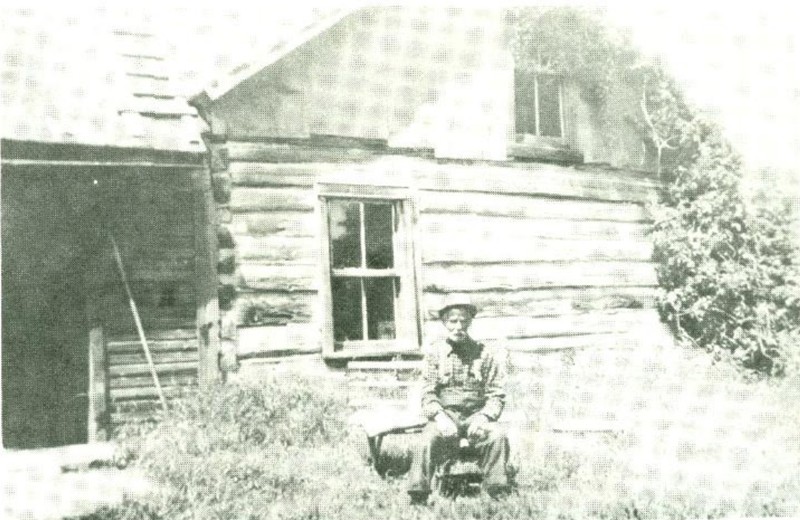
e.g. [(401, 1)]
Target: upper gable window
[(538, 99)]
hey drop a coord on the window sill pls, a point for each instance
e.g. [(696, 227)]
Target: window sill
[(547, 149), (372, 349)]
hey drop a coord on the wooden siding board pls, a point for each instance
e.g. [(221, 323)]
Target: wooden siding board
[(452, 247), (168, 379), (276, 249), (520, 327), (522, 228), (288, 340), (158, 357), (270, 174), (524, 206), (272, 199), (277, 223), (277, 307), (519, 348), (548, 302), (278, 277), (146, 392), (438, 278), (544, 183), (144, 369), (156, 346), (290, 153)]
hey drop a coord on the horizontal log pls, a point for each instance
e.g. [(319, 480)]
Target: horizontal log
[(521, 327), (144, 369), (481, 227), (155, 335), (158, 357), (169, 379), (277, 249), (524, 206), (149, 392), (272, 308), (299, 338), (527, 346), (457, 278), (290, 224), (542, 180), (271, 174), (271, 199), (278, 277), (549, 302), (290, 153), (128, 347), (455, 247)]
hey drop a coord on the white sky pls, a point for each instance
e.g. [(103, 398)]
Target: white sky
[(738, 61)]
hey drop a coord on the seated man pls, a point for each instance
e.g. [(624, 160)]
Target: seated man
[(463, 395)]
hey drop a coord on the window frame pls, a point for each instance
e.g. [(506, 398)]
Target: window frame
[(407, 315), (524, 136), (530, 147)]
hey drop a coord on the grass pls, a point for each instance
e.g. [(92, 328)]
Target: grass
[(678, 438)]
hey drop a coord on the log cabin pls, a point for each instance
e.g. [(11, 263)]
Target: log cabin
[(391, 156), (97, 145), (312, 205)]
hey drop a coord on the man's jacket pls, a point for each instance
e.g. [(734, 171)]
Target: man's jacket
[(464, 378)]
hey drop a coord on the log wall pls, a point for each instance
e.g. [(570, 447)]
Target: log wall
[(549, 253)]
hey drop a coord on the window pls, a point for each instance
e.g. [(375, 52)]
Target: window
[(538, 100), (368, 273)]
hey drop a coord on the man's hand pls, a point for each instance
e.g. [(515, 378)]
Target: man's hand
[(447, 427), (477, 426)]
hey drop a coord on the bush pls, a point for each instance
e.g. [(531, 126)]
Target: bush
[(727, 270)]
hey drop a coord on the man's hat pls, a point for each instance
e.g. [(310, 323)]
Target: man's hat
[(457, 300)]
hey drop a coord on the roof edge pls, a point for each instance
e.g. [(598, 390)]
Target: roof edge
[(241, 72)]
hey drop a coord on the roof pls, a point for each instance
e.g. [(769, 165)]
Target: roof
[(92, 75), (245, 52)]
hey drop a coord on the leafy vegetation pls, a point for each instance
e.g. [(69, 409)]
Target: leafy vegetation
[(278, 448), (727, 267)]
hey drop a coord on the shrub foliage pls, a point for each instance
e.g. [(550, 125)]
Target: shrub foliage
[(727, 268)]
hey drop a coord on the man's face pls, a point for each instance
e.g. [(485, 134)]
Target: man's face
[(457, 322)]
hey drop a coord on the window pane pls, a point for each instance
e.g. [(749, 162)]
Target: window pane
[(380, 307), (378, 230), (549, 107), (344, 226), (347, 317), (524, 103)]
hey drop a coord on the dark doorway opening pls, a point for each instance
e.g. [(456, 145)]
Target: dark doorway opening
[(48, 236)]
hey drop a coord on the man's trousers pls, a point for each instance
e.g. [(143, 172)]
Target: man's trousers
[(433, 449)]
